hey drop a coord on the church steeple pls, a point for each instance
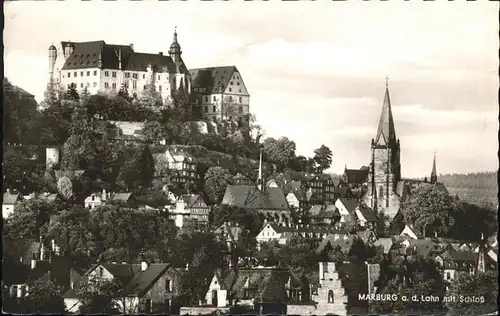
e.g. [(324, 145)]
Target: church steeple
[(434, 172), (175, 49), (386, 133)]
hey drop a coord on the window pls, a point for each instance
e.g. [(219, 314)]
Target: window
[(241, 100), (127, 75), (69, 74), (113, 85), (168, 286), (81, 73), (143, 76), (75, 74), (88, 84), (113, 74), (126, 84), (134, 76), (158, 77), (81, 85), (95, 72), (106, 74), (240, 109), (149, 306), (215, 98), (144, 87), (330, 297), (238, 83), (230, 90), (134, 84), (206, 99), (231, 83), (240, 90), (159, 88), (214, 109), (230, 99), (448, 276), (381, 192), (206, 109), (106, 85)]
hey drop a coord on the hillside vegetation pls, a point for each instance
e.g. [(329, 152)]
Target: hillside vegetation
[(478, 188)]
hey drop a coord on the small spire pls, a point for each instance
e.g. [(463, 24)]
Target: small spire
[(387, 82), (434, 172), (175, 34)]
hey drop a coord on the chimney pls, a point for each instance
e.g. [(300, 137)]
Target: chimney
[(33, 263), (144, 265), (132, 46), (104, 195), (72, 284)]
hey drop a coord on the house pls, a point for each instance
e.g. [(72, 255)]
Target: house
[(347, 208), (365, 216), (97, 199), (147, 288), (10, 200), (322, 187), (341, 239), (230, 232), (453, 262), (412, 232), (343, 192), (190, 212), (385, 243), (241, 179), (367, 236), (179, 163), (323, 214), (269, 202), (356, 177), (282, 233)]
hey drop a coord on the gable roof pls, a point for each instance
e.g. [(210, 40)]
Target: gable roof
[(385, 243), (247, 196), (350, 204), (345, 242), (213, 79), (343, 192), (142, 281), (121, 196), (356, 176), (123, 272), (365, 235), (367, 213), (323, 211), (191, 199), (280, 229)]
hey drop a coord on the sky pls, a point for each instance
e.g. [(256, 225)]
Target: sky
[(315, 70)]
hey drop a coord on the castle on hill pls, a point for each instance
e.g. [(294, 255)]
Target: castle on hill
[(217, 93)]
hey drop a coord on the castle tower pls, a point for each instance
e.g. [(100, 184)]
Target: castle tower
[(434, 173), (52, 60), (175, 49), (385, 169)]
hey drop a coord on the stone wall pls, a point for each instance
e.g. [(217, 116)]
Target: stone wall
[(201, 310), (301, 309)]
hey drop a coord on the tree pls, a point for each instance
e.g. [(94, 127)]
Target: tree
[(154, 131), (322, 158), (65, 187), (216, 181), (79, 150), (138, 172), (279, 151), (98, 297), (430, 209), (482, 286), (44, 298), (299, 164), (72, 93)]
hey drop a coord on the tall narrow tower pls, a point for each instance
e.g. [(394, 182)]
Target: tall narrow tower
[(52, 59), (481, 263), (175, 49), (385, 166), (434, 173)]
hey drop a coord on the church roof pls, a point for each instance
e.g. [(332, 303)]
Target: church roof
[(212, 79), (356, 176), (434, 172), (248, 196), (386, 133)]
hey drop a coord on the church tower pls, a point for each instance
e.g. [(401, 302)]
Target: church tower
[(434, 173), (385, 168), (175, 50)]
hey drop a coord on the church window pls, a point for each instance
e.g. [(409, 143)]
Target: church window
[(381, 192), (106, 74), (330, 297), (113, 74)]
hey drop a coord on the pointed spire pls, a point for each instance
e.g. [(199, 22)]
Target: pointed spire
[(434, 172), (386, 133), (175, 34)]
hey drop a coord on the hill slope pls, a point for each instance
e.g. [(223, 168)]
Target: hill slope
[(479, 188)]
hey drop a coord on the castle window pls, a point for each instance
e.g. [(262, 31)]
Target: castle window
[(106, 74), (81, 73), (88, 73), (330, 297), (240, 109), (69, 74), (241, 100), (75, 74), (213, 109), (381, 192), (95, 72), (113, 74)]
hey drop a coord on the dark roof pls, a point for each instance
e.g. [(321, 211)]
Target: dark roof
[(143, 280), (367, 213), (356, 176), (343, 192), (191, 199), (248, 196), (123, 272), (88, 54), (305, 229), (463, 256), (354, 278), (364, 235), (386, 133), (424, 247), (345, 242), (212, 79), (350, 204)]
